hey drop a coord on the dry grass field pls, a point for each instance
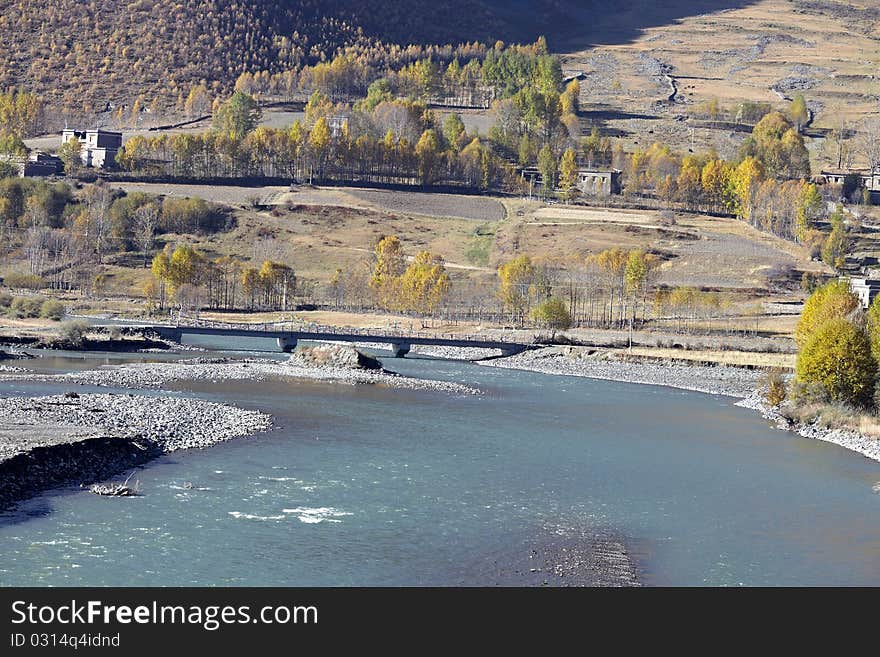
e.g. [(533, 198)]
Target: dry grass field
[(760, 51), (318, 230)]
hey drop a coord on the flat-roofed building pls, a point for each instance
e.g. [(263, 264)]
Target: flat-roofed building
[(866, 289), (99, 147)]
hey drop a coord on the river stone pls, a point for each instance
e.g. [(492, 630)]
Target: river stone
[(333, 355)]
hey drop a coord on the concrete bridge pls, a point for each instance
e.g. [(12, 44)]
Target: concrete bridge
[(286, 337)]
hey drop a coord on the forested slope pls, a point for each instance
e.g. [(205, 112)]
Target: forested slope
[(94, 52)]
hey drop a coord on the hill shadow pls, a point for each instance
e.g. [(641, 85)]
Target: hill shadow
[(572, 25)]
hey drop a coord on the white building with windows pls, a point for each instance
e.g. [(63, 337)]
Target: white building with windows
[(99, 147)]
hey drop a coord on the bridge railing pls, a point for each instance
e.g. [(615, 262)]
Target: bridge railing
[(183, 321)]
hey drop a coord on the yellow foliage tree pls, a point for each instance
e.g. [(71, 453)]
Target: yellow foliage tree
[(387, 270), (833, 300), (424, 285), (838, 356), (518, 278)]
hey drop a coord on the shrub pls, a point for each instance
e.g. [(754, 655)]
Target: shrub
[(52, 309), (838, 356), (26, 307), (74, 331), (776, 389), (5, 300), (807, 394), (19, 281), (552, 313)]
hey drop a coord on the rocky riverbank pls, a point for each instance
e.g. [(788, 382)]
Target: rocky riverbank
[(597, 364), (53, 441), (852, 440), (155, 375)]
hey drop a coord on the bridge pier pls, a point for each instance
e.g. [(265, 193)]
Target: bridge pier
[(286, 344), (400, 349)]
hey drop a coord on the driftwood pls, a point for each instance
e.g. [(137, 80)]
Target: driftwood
[(115, 489)]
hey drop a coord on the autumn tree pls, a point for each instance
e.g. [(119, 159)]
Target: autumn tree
[(428, 153), (568, 175), (798, 112), (612, 264), (424, 285), (319, 145), (745, 179), (833, 300), (388, 266), (146, 220), (552, 313), (779, 148), (837, 355), (518, 285)]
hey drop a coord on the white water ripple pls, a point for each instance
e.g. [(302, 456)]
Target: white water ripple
[(314, 515)]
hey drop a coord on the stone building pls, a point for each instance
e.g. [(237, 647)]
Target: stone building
[(39, 164), (591, 182), (99, 147), (870, 179), (866, 289), (599, 182)]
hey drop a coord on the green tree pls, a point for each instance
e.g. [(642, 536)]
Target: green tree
[(838, 356), (237, 116), (379, 91), (70, 153), (548, 167), (453, 129), (835, 245), (809, 209)]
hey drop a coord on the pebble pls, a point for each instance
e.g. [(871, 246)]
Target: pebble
[(714, 380), (172, 423)]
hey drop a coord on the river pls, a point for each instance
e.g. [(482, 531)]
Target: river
[(368, 485)]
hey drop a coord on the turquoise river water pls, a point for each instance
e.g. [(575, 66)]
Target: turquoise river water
[(367, 485)]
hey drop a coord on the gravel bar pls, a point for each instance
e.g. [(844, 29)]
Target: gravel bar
[(586, 362), (155, 375)]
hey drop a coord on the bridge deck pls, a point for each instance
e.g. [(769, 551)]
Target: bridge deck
[(329, 334)]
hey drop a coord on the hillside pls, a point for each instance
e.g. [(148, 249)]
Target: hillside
[(91, 53), (82, 55), (763, 51)]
